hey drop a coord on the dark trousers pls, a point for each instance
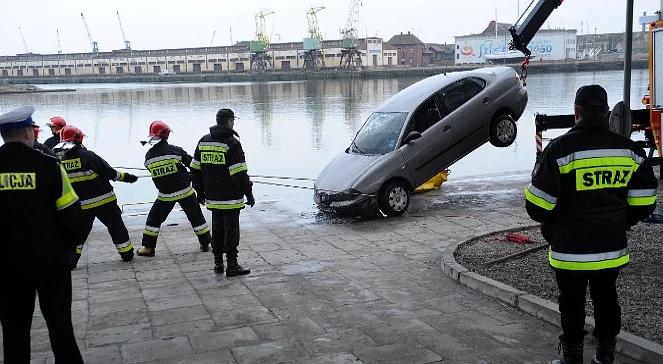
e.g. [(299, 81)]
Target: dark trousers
[(603, 291), (159, 212), (225, 232), (17, 308), (111, 216)]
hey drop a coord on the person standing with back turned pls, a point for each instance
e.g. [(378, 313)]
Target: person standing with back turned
[(590, 186), (166, 163), (220, 178), (34, 187)]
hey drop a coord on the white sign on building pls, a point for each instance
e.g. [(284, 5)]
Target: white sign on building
[(547, 45)]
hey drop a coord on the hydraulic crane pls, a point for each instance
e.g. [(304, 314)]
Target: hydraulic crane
[(25, 45), (259, 58), (127, 44), (211, 42), (350, 55), (313, 57), (93, 44), (57, 34)]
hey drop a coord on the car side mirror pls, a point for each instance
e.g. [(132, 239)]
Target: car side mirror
[(414, 135)]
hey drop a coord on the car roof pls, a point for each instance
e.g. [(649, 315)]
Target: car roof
[(412, 96)]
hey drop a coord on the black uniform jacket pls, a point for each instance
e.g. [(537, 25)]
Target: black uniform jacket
[(90, 176), (588, 187), (52, 141), (44, 149), (166, 164), (42, 219), (219, 170)]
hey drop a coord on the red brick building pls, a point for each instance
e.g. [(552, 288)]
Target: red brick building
[(411, 50)]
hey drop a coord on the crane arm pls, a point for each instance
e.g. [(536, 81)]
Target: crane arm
[(530, 22), (127, 44), (93, 44)]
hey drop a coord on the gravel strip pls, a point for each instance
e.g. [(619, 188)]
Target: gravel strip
[(640, 284)]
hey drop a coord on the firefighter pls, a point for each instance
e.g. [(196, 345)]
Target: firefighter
[(220, 177), (56, 124), (590, 186), (167, 164), (41, 147), (90, 176), (34, 187)]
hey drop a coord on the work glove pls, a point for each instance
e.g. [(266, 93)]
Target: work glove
[(250, 200), (130, 178)]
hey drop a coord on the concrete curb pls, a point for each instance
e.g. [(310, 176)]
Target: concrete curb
[(630, 345)]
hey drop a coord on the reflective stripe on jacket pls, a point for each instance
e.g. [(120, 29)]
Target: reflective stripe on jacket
[(167, 164)]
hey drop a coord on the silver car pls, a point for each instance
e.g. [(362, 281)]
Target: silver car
[(417, 133)]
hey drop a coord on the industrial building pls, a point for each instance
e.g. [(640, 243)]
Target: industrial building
[(283, 56), (547, 45)]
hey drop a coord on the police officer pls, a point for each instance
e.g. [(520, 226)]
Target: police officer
[(56, 124), (33, 187), (41, 147), (166, 163), (90, 176), (589, 186), (220, 178)]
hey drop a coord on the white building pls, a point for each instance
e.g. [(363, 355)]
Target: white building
[(547, 44)]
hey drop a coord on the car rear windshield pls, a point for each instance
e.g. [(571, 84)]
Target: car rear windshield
[(380, 133)]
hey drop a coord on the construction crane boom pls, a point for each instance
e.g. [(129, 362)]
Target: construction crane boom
[(261, 33), (312, 18), (93, 44), (57, 34), (211, 42), (350, 30), (25, 45), (127, 44)]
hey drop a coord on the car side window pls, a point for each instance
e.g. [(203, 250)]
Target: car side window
[(426, 115), (460, 92)]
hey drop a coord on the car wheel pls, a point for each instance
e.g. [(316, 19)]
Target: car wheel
[(394, 198), (503, 131)]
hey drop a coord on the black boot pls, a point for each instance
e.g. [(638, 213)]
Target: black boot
[(572, 354), (218, 264), (127, 256), (234, 269), (205, 243), (605, 351)]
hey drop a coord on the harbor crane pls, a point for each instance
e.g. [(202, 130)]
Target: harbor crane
[(127, 44), (25, 45), (350, 55), (259, 59), (211, 42), (57, 34), (93, 44), (313, 57)]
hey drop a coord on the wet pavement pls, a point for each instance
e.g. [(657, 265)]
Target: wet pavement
[(322, 290)]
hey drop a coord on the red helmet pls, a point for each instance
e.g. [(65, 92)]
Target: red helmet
[(71, 134), (58, 122), (159, 129)]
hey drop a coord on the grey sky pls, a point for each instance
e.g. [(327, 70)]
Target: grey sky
[(171, 24)]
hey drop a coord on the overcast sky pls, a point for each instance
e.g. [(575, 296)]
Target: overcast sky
[(153, 24)]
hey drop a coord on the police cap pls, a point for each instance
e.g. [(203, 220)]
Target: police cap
[(591, 95), (20, 117)]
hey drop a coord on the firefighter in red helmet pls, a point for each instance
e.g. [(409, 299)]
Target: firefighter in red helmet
[(39, 146), (56, 124), (90, 176), (167, 164)]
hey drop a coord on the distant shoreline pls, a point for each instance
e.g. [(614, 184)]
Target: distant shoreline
[(299, 75)]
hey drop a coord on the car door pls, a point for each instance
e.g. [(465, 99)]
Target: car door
[(471, 105), (424, 157)]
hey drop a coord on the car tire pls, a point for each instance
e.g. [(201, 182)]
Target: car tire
[(503, 131), (394, 198)]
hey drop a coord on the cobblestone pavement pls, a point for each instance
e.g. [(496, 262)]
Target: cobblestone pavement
[(322, 290)]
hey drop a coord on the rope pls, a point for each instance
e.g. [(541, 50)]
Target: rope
[(254, 176)]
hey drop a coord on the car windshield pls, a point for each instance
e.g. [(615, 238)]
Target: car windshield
[(379, 135)]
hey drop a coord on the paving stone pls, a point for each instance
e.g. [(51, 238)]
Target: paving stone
[(175, 315), (403, 352), (269, 352), (156, 349), (336, 341), (217, 357), (243, 317), (114, 319), (296, 328), (335, 358), (118, 335), (183, 328), (105, 355), (165, 303), (228, 303), (214, 341), (117, 306)]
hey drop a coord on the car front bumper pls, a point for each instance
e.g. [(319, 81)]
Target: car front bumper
[(345, 203)]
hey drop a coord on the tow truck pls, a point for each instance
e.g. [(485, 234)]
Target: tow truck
[(623, 120)]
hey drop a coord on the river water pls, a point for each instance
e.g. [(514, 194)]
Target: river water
[(286, 128)]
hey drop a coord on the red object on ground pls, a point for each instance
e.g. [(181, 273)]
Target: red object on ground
[(518, 238)]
